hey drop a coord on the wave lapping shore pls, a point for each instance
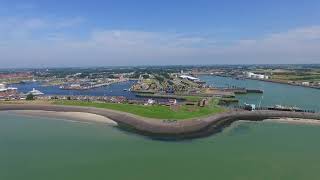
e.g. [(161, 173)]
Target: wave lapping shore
[(155, 128), (71, 116)]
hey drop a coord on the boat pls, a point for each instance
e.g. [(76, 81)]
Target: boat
[(35, 92), (249, 107), (285, 108)]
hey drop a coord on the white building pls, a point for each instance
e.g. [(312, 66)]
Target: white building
[(256, 76), (305, 83), (173, 101), (2, 86), (75, 85), (150, 102), (189, 78)]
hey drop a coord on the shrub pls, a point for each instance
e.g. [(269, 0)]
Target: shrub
[(30, 97)]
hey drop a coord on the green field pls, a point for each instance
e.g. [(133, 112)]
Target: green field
[(154, 111), (186, 98), (297, 76)]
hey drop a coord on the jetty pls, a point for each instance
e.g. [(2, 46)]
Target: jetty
[(237, 90), (169, 129)]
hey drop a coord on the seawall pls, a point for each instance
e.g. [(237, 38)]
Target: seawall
[(166, 129)]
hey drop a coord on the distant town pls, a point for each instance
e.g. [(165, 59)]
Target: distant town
[(164, 85)]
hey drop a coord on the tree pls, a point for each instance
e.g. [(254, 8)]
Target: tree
[(30, 97), (145, 76)]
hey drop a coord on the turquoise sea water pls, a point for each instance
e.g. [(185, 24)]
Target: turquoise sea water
[(41, 148), (281, 94), (47, 149)]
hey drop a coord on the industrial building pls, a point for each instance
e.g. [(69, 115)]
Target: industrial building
[(190, 78), (256, 76)]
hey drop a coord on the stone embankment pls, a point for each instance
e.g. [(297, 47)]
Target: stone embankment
[(169, 129)]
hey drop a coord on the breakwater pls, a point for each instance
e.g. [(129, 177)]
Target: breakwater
[(169, 129), (273, 93)]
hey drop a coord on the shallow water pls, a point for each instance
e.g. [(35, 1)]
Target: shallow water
[(40, 148)]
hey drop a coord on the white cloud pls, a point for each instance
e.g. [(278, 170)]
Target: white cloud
[(41, 41), (299, 34), (16, 30), (294, 46)]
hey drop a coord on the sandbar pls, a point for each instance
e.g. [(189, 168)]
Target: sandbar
[(72, 116)]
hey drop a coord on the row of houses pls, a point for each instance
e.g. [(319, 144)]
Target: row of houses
[(16, 75), (114, 99), (111, 99), (8, 92), (12, 93)]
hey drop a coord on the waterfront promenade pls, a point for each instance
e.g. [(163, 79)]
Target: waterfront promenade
[(155, 128)]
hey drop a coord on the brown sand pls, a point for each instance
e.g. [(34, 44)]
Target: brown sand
[(72, 116), (295, 121)]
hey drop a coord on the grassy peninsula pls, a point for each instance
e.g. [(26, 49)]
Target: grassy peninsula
[(154, 111)]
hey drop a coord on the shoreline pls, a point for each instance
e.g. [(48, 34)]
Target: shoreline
[(269, 80), (166, 129), (93, 118), (285, 83), (294, 121), (68, 116)]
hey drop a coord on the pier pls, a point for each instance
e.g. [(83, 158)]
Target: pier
[(237, 90)]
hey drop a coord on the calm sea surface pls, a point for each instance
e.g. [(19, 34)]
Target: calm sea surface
[(281, 94), (40, 148)]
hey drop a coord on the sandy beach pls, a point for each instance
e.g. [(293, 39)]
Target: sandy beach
[(69, 116), (295, 121)]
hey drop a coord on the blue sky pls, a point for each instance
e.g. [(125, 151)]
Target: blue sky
[(102, 33)]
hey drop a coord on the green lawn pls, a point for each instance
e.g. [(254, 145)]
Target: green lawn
[(187, 98), (303, 76), (155, 111), (192, 98)]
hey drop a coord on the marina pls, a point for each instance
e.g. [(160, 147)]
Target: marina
[(273, 93), (116, 89)]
